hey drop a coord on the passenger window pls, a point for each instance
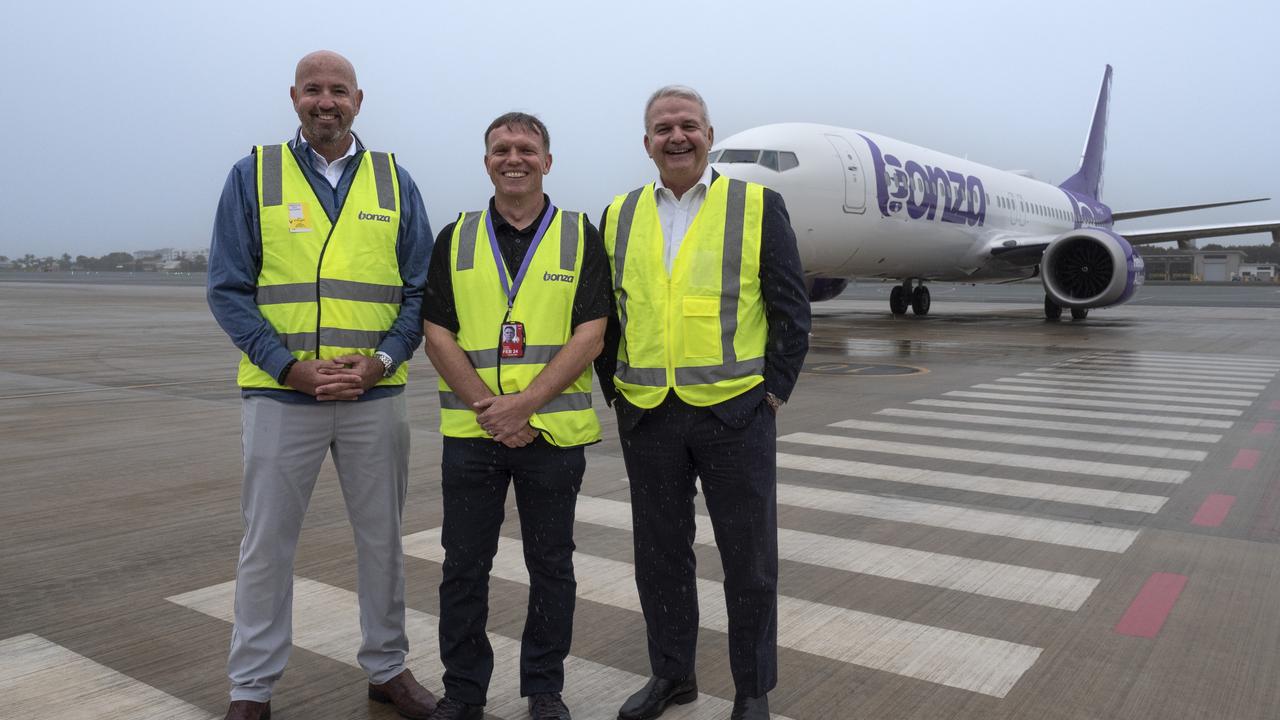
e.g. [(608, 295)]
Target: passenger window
[(786, 161), (769, 159)]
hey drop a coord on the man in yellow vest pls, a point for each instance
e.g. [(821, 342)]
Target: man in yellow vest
[(316, 273), (515, 311), (710, 331)]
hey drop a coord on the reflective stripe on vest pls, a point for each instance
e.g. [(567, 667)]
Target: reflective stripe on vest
[(544, 304), (699, 329), (328, 289)]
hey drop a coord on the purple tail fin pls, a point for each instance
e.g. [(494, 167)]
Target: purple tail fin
[(1088, 179)]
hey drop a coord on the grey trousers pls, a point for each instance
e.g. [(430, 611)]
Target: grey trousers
[(284, 446)]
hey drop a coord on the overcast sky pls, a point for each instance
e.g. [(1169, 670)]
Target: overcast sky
[(128, 115)]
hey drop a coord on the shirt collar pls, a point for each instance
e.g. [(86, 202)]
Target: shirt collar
[(300, 143), (704, 182), (499, 221)]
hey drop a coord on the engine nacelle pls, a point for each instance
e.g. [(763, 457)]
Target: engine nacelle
[(1090, 268), (821, 288)]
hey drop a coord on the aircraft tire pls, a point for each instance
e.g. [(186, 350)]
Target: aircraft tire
[(1079, 313), (920, 300), (898, 300), (1052, 310)]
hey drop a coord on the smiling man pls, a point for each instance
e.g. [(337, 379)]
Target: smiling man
[(515, 311), (710, 330), (316, 272)]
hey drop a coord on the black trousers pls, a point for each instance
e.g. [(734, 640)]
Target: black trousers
[(476, 473), (665, 451)]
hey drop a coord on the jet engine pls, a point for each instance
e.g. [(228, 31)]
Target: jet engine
[(821, 288), (1090, 268)]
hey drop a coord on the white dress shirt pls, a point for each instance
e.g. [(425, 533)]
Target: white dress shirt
[(677, 215), (332, 171)]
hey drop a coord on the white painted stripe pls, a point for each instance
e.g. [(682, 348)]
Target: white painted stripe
[(959, 518), (1125, 386), (1228, 359), (1137, 378), (1063, 591), (1197, 365), (41, 680), (1097, 403), (1042, 441), (988, 457), (1067, 412), (1169, 376), (976, 483), (1031, 423), (1125, 395), (1148, 369), (947, 657), (1210, 364), (326, 621)]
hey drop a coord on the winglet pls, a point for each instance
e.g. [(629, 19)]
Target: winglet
[(1088, 179)]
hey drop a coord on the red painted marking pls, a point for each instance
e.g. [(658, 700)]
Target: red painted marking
[(1246, 460), (1275, 405), (1213, 510), (1149, 610), (1264, 428)]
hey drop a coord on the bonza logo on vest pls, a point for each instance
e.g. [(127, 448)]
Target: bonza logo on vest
[(371, 216), (557, 277)]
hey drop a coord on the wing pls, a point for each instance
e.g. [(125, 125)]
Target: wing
[(1147, 237), (1132, 214)]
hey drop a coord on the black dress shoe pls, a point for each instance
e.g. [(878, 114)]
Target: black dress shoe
[(548, 706), (249, 710), (454, 709), (749, 708), (656, 695)]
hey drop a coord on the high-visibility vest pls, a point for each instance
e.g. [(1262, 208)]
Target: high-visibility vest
[(699, 330), (328, 289), (544, 304)]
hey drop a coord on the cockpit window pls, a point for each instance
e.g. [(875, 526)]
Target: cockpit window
[(776, 160)]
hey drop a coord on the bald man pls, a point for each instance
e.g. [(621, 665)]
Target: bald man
[(316, 272)]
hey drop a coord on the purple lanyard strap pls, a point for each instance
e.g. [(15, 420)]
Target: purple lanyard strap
[(508, 286)]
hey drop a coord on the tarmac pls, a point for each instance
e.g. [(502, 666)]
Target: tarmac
[(983, 515)]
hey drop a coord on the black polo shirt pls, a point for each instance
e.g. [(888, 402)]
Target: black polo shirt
[(594, 293)]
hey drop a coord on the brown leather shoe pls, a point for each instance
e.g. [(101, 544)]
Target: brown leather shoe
[(406, 694), (248, 710)]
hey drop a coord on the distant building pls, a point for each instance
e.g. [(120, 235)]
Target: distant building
[(1197, 266), (1261, 272)]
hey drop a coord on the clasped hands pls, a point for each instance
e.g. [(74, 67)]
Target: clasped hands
[(506, 419), (343, 378)]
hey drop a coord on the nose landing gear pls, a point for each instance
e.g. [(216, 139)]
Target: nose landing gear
[(903, 296)]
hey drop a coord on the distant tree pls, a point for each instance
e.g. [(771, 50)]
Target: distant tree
[(4, 258), (117, 261), (64, 262)]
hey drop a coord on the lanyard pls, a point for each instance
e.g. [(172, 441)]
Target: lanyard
[(509, 287)]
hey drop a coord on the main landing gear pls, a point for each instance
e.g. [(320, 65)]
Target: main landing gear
[(1053, 311), (904, 295)]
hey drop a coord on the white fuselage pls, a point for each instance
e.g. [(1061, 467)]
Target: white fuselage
[(865, 205)]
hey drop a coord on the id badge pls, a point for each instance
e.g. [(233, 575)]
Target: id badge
[(512, 343)]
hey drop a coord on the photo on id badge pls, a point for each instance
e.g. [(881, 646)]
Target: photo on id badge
[(512, 344)]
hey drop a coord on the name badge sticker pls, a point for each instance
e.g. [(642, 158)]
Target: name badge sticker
[(299, 218)]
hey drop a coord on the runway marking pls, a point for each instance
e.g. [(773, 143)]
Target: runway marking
[(1042, 441), (977, 483), (1148, 369), (1213, 510), (1063, 591), (988, 457), (41, 680), (1149, 610), (1194, 365), (1098, 403), (1246, 459), (947, 657), (959, 518), (1029, 423), (1171, 376), (1065, 412), (1225, 359), (326, 621), (1101, 393), (1264, 428), (1127, 387), (1129, 378)]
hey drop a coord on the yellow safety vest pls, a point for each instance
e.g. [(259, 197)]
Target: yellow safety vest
[(701, 328), (328, 289), (544, 304)]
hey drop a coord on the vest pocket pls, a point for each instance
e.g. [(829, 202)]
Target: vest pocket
[(701, 327)]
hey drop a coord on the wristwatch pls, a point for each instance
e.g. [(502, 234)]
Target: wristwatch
[(388, 365)]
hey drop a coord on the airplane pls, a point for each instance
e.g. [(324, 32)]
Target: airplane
[(866, 205)]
